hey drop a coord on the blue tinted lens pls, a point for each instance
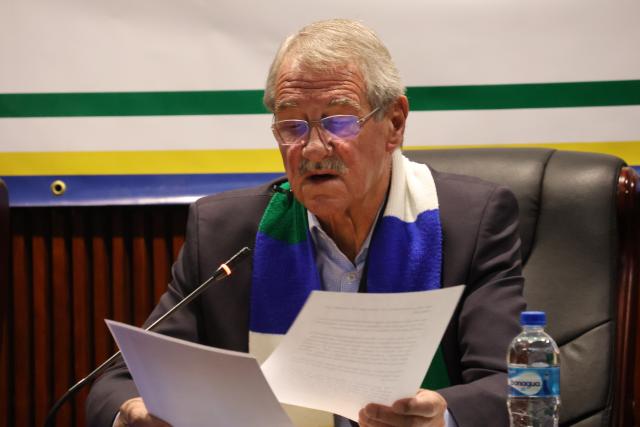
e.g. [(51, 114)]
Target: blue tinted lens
[(291, 131), (341, 126)]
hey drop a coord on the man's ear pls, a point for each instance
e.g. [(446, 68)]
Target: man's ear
[(397, 115)]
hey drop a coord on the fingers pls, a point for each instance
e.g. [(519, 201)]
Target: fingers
[(374, 415), (425, 403), (133, 413), (426, 409)]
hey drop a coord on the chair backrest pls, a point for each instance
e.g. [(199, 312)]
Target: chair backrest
[(579, 246), (4, 259)]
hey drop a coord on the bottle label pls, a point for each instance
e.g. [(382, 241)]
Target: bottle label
[(538, 382)]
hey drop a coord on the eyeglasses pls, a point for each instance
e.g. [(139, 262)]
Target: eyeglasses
[(342, 127)]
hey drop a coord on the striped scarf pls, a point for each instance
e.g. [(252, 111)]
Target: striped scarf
[(405, 255)]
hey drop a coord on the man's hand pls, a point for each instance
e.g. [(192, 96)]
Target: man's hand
[(426, 409), (134, 413)]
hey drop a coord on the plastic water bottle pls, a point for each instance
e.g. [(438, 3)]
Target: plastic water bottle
[(534, 374)]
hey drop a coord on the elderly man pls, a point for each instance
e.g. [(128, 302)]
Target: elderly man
[(352, 215)]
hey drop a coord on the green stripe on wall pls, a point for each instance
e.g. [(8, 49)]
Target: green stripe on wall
[(533, 95), (425, 98), (131, 104)]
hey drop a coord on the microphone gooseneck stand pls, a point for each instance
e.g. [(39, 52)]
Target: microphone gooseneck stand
[(222, 272)]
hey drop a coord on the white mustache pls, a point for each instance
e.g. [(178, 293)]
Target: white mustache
[(331, 164)]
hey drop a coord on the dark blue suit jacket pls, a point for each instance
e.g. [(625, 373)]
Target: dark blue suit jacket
[(481, 248)]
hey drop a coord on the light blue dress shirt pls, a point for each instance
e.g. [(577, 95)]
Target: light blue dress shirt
[(339, 274)]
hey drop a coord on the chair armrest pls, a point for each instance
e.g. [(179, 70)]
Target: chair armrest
[(626, 407)]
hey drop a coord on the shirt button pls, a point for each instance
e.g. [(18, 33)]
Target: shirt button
[(351, 277)]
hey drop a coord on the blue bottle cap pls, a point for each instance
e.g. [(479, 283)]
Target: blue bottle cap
[(533, 318)]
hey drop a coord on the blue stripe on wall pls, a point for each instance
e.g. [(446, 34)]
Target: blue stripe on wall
[(97, 190), (100, 190)]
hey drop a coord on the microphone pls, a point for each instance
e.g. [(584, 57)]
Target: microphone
[(222, 272), (277, 189)]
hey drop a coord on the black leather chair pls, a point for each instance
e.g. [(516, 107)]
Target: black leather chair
[(4, 259), (578, 222)]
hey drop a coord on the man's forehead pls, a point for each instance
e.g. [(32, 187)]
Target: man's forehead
[(294, 74), (284, 104), (344, 101)]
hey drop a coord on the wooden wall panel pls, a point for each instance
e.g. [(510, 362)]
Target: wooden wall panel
[(81, 320), (72, 267), (42, 349), (120, 267), (142, 292), (62, 313), (5, 383), (100, 287), (5, 305), (21, 325), (160, 253)]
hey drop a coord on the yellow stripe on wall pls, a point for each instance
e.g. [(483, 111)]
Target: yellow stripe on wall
[(628, 150), (220, 161), (140, 162)]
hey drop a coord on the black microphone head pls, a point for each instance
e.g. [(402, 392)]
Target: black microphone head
[(238, 257), (277, 189)]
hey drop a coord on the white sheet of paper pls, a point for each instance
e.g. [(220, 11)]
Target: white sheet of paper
[(190, 385), (346, 350)]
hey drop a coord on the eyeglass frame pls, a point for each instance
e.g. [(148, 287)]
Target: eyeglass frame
[(311, 123)]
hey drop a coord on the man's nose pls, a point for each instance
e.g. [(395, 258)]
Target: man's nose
[(316, 147)]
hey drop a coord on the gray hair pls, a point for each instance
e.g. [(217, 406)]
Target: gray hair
[(337, 42)]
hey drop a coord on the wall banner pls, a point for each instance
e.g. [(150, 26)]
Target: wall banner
[(157, 101)]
